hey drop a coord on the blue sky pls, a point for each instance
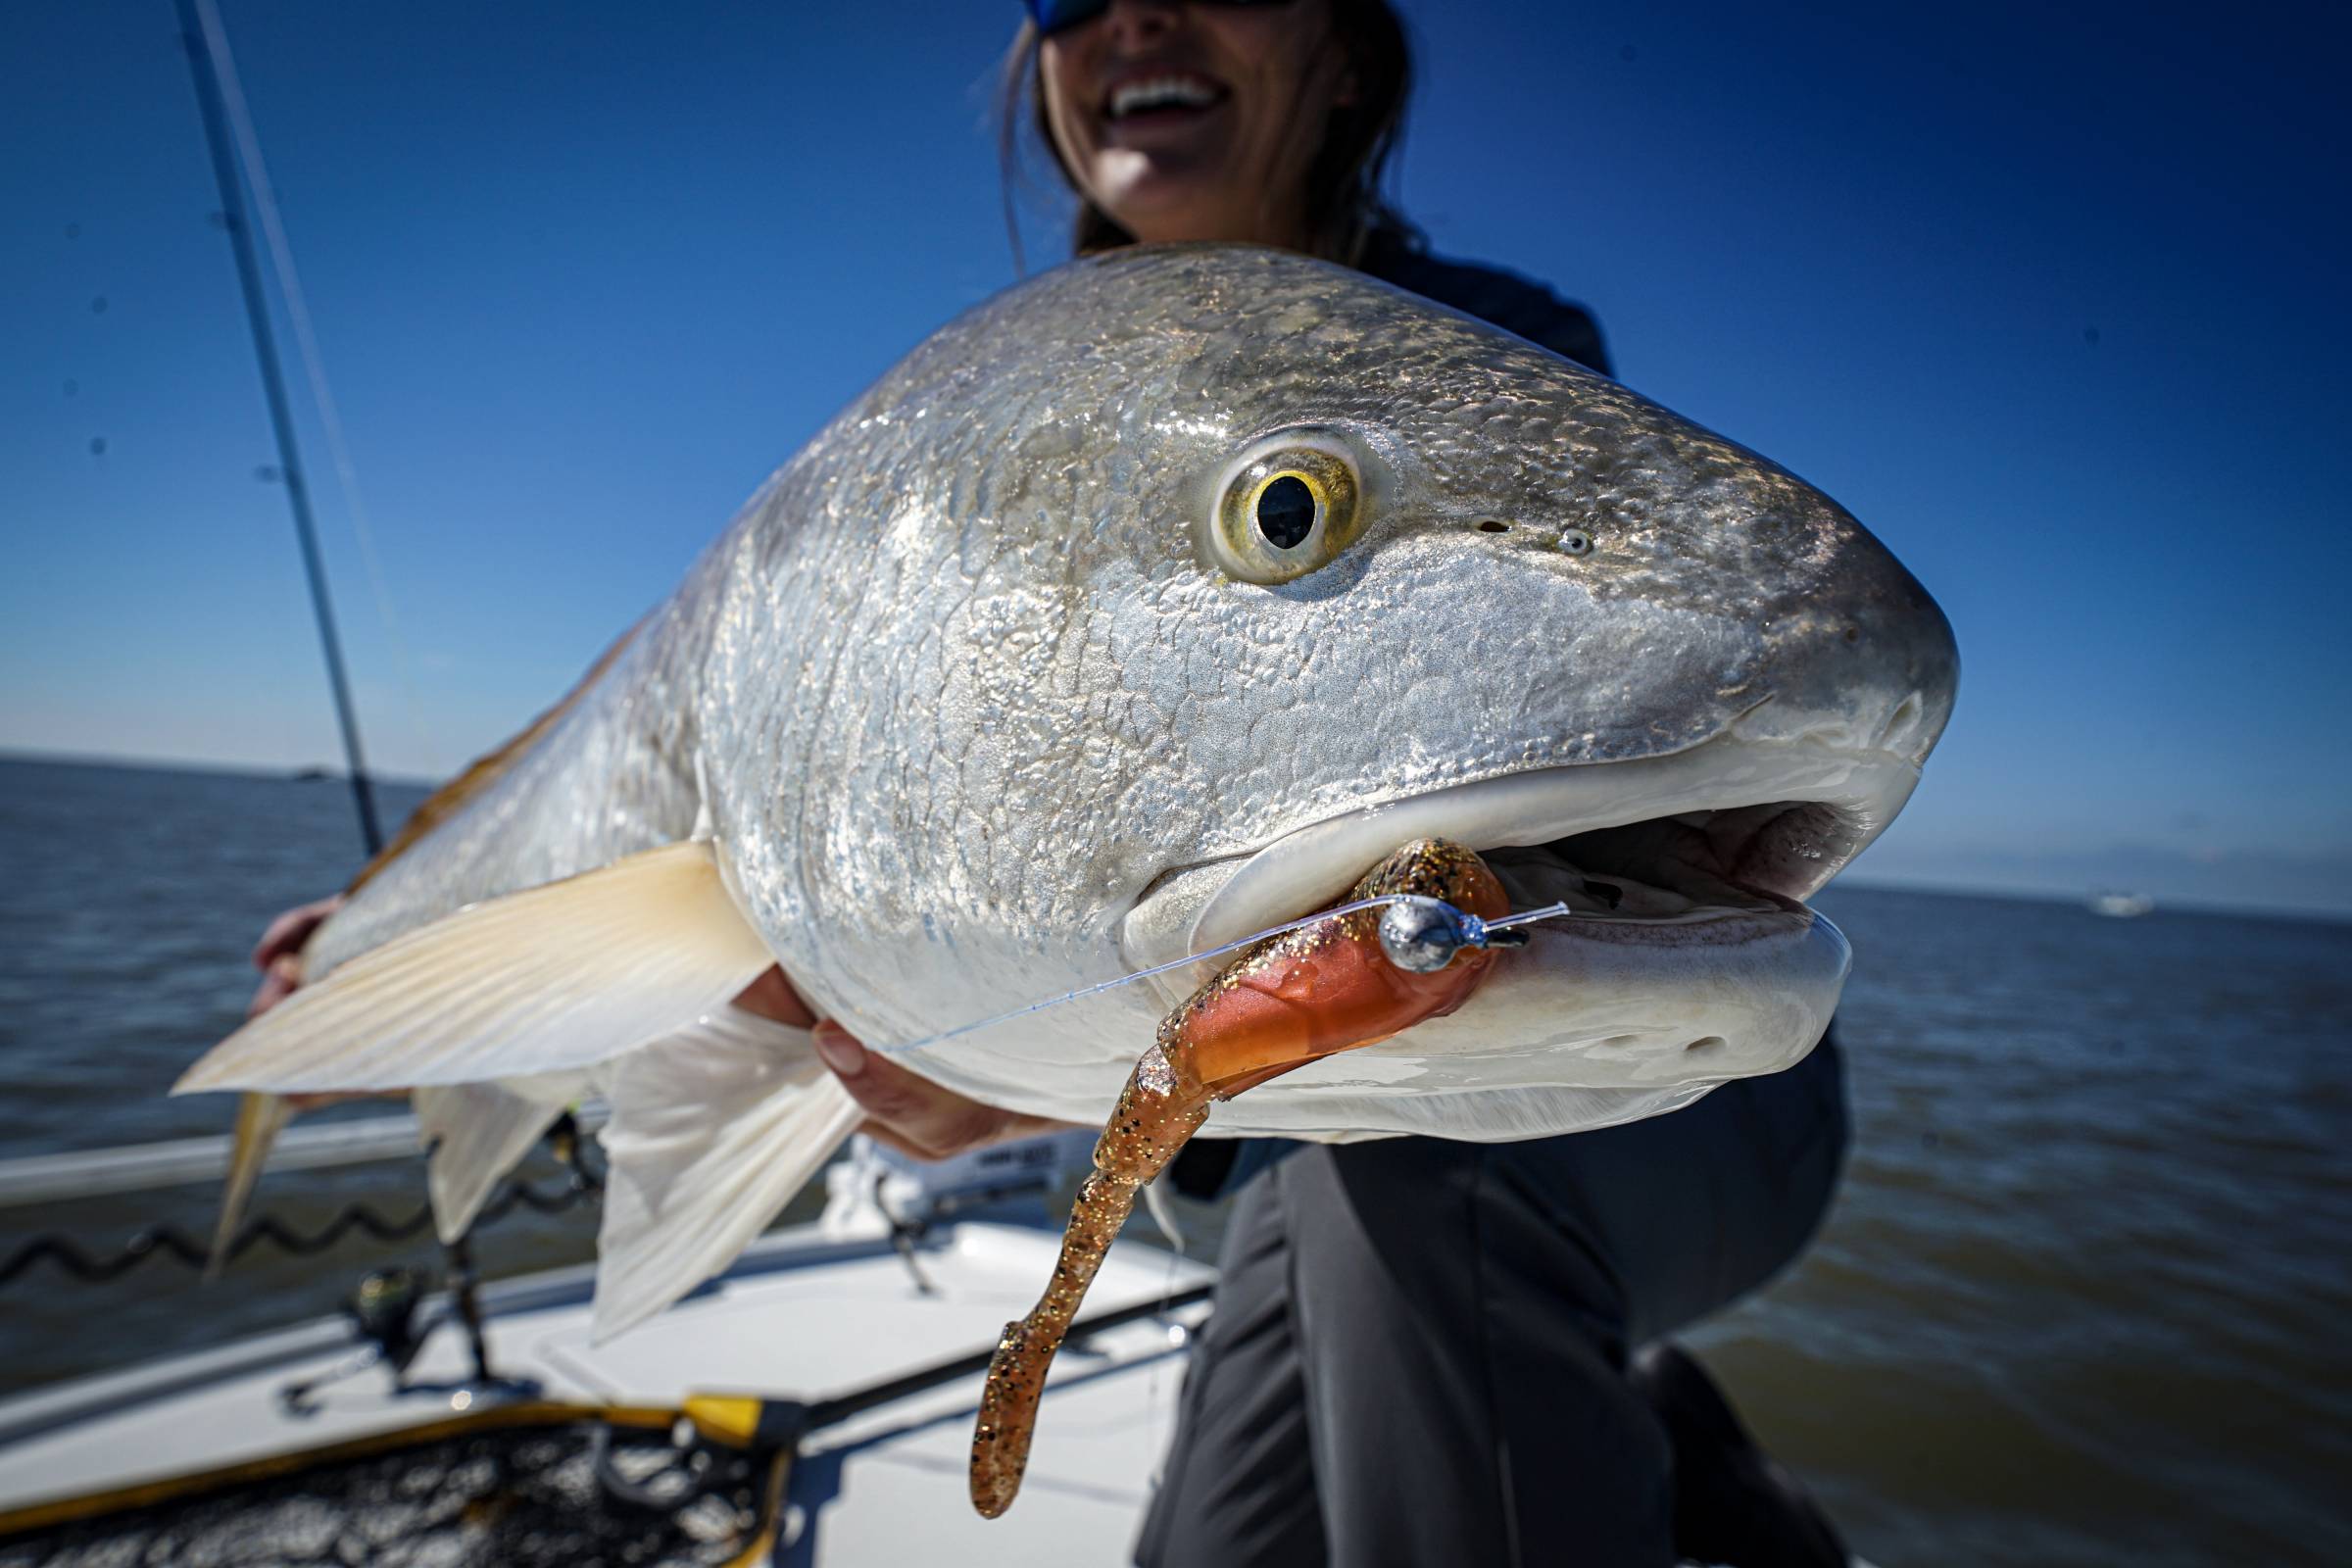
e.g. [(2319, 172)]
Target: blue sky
[(2054, 303)]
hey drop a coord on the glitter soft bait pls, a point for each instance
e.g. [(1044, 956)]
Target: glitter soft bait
[(1323, 988)]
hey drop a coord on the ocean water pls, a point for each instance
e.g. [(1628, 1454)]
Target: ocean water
[(2084, 1298)]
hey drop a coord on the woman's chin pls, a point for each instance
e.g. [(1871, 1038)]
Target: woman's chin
[(1168, 196)]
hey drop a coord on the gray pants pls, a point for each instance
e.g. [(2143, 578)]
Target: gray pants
[(1418, 1350)]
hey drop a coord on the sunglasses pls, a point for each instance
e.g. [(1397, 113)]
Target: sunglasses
[(1059, 16)]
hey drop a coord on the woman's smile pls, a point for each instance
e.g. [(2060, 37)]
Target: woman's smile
[(1194, 121), (1158, 107)]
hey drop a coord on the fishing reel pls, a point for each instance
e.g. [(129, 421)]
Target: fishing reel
[(383, 1312)]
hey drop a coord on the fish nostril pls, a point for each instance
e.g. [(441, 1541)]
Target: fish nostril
[(1493, 525), (1901, 723)]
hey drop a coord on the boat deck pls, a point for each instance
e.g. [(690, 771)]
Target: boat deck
[(799, 1316)]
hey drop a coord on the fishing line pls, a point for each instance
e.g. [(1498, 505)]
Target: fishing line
[(1474, 932)]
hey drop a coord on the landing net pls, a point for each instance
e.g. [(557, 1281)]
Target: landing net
[(509, 1496)]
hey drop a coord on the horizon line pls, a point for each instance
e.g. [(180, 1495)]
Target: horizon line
[(1865, 880)]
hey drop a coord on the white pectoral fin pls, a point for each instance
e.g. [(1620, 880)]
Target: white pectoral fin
[(260, 1120), (713, 1129), (480, 1132), (549, 980)]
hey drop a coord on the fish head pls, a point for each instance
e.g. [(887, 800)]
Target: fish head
[(1288, 566)]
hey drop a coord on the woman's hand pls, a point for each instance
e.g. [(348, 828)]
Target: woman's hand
[(278, 954), (905, 1110), (912, 1115)]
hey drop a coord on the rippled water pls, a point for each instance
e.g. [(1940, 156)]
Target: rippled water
[(2083, 1299)]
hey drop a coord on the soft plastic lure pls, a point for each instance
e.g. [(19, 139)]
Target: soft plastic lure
[(1351, 979)]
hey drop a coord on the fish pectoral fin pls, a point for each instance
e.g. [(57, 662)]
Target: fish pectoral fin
[(713, 1129), (260, 1120), (480, 1132), (553, 978)]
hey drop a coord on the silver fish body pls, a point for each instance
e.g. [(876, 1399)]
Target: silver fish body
[(1001, 687)]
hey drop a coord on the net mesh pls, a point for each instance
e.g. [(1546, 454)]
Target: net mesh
[(514, 1498)]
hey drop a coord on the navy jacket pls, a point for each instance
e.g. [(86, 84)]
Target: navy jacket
[(1505, 298)]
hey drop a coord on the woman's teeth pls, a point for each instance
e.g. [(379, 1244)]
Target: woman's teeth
[(1161, 92)]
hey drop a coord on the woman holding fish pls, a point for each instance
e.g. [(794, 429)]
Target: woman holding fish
[(1422, 1351)]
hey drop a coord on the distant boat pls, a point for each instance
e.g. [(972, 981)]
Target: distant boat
[(311, 775), (2119, 905)]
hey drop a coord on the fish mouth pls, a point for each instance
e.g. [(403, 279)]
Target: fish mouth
[(1727, 832), (1688, 955)]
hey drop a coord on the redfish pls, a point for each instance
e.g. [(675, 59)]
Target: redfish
[(1133, 612)]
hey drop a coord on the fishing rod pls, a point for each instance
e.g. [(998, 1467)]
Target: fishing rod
[(206, 71)]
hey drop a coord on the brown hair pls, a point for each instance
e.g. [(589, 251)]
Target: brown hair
[(1346, 200)]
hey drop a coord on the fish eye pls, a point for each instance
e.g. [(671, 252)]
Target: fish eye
[(1576, 542), (1287, 508)]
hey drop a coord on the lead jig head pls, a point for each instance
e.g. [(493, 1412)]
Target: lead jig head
[(1423, 934)]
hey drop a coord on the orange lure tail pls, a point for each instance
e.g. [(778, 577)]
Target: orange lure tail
[(1324, 988)]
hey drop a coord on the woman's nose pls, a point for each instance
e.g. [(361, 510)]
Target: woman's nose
[(1136, 22)]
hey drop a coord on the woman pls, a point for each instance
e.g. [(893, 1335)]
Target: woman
[(1421, 1350)]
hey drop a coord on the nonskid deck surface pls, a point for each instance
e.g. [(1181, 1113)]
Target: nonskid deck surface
[(798, 1317)]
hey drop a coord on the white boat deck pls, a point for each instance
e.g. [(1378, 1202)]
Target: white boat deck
[(808, 1313), (800, 1316)]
